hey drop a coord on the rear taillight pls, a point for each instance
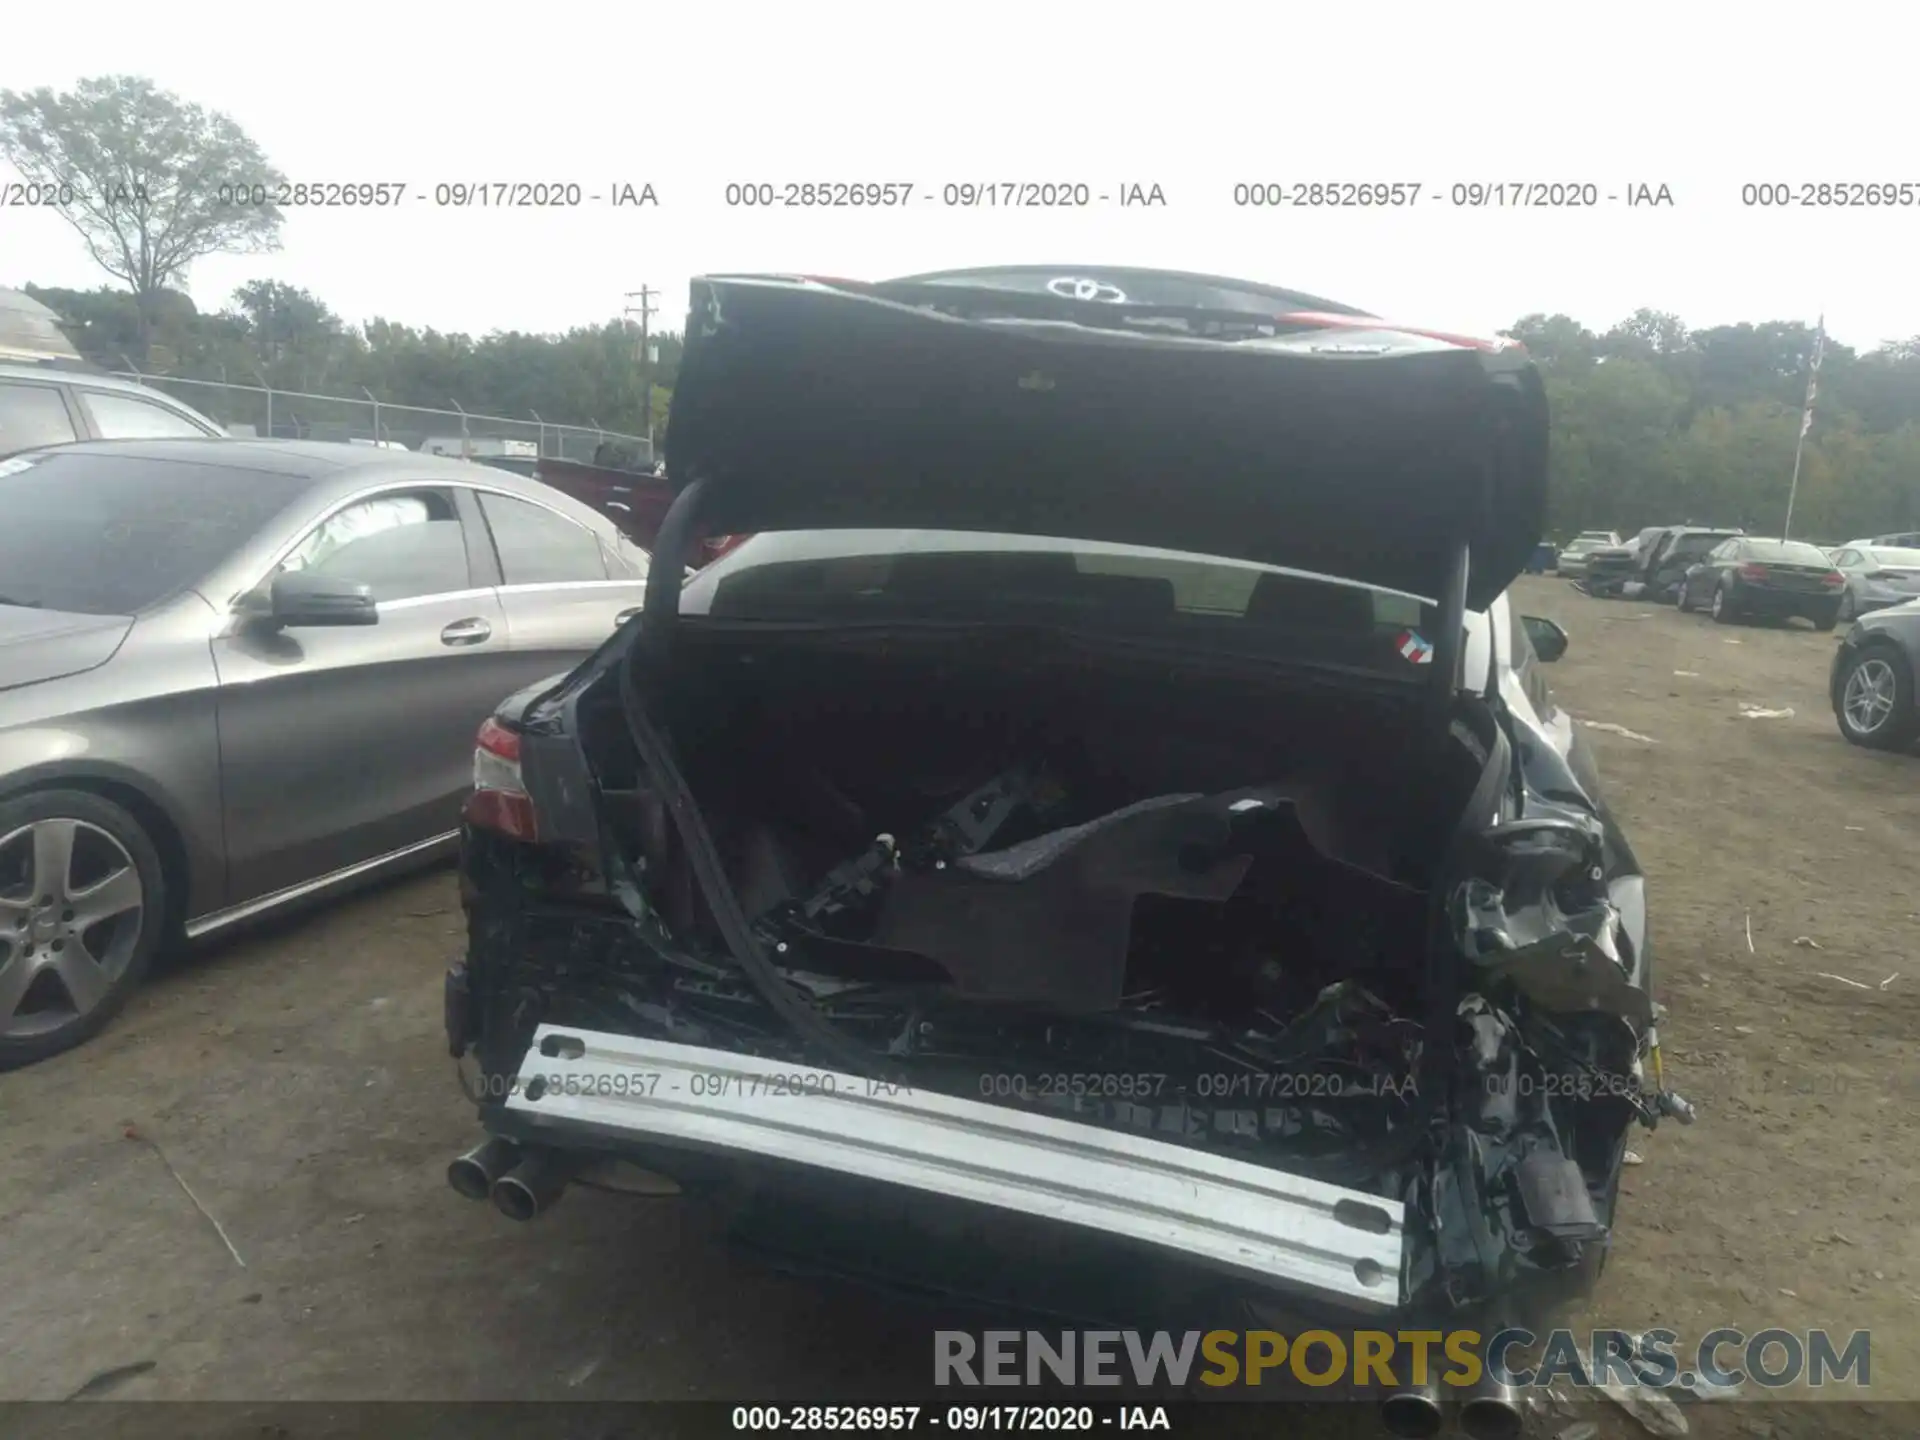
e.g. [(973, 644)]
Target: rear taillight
[(1833, 579), (1754, 572), (499, 801)]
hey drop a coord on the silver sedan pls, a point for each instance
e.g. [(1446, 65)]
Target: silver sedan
[(236, 675), (1877, 576)]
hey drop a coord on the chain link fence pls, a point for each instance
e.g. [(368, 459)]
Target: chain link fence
[(297, 415)]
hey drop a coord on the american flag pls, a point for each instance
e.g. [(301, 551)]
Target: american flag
[(1813, 375)]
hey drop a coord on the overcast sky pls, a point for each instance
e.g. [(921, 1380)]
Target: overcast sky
[(1700, 97)]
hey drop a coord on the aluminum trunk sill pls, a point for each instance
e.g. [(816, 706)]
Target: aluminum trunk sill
[(1311, 1237)]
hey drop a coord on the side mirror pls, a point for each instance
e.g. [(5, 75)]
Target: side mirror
[(298, 599), (1549, 640)]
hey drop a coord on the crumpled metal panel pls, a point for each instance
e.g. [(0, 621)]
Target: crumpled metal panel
[(1318, 1239)]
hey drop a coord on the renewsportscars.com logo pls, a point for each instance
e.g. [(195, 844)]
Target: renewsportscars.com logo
[(1723, 1358)]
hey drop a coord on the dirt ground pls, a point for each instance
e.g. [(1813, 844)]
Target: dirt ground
[(297, 1082)]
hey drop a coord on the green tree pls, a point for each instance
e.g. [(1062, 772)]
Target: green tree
[(138, 173)]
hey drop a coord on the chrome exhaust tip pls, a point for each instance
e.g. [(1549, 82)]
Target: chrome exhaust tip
[(473, 1174), (1492, 1412), (1413, 1414), (531, 1188)]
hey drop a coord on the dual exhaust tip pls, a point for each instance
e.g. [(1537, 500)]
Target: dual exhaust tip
[(1489, 1411), (521, 1183), (524, 1184)]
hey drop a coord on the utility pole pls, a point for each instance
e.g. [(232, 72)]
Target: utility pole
[(645, 295)]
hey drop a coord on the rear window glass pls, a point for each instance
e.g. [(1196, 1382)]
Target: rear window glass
[(1786, 552), (1897, 559), (951, 576), (111, 535)]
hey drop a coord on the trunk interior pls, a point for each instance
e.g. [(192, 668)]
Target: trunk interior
[(1260, 936)]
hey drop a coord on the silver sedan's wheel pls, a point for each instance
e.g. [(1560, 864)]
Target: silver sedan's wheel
[(68, 926), (1875, 700), (1870, 696), (83, 905)]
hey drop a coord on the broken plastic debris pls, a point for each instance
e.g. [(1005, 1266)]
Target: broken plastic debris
[(1757, 712), (1890, 979), (1654, 1411), (1621, 730), (1828, 975), (1806, 942), (1632, 1157), (1580, 1430), (1689, 674), (1750, 932)]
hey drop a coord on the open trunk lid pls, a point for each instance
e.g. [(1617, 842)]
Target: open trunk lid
[(1258, 429)]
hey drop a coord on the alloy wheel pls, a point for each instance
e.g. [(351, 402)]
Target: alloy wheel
[(1719, 604), (72, 908), (1870, 695)]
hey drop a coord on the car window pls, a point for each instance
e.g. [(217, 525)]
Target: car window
[(538, 547), (630, 559), (32, 415), (1896, 559), (967, 577), (101, 534), (1519, 644), (1847, 558), (128, 417), (402, 546)]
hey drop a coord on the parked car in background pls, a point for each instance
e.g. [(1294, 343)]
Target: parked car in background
[(1572, 561), (1902, 540), (50, 396), (955, 766), (1654, 565), (1599, 537), (1871, 682), (1877, 576), (1750, 578), (237, 674), (1608, 568)]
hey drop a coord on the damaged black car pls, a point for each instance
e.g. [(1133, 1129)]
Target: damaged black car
[(1109, 807)]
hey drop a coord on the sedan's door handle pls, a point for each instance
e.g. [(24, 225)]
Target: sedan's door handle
[(466, 632)]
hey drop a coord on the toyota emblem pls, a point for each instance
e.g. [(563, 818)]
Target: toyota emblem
[(1073, 287)]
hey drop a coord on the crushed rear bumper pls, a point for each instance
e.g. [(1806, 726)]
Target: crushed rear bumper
[(584, 1089)]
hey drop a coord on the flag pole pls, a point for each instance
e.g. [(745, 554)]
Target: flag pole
[(1786, 530), (1806, 422)]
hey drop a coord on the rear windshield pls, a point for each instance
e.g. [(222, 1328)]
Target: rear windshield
[(1895, 559), (873, 575), (99, 534), (1787, 552)]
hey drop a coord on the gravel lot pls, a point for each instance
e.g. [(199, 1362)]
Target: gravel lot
[(297, 1081)]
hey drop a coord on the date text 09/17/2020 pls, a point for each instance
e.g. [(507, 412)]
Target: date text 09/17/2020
[(962, 1419), (1275, 1087)]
